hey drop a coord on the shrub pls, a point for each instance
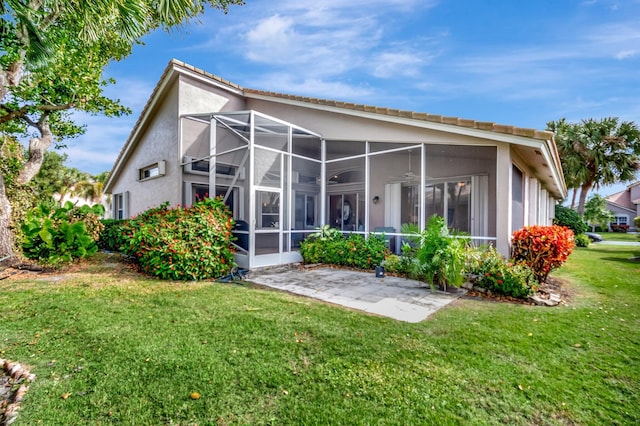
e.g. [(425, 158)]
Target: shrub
[(495, 274), (619, 228), (393, 264), (582, 240), (90, 216), (441, 256), (636, 221), (61, 235), (565, 216), (543, 248), (354, 251), (182, 243), (111, 237)]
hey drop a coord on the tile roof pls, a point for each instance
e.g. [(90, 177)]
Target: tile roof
[(454, 121)]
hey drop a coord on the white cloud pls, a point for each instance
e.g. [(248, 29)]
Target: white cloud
[(313, 87), (394, 64), (625, 54)]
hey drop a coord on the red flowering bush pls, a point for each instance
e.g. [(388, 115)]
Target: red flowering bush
[(542, 248), (182, 243)]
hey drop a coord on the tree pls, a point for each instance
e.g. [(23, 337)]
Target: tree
[(597, 152), (596, 213), (55, 180), (52, 54)]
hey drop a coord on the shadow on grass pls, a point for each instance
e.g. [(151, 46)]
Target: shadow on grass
[(630, 256)]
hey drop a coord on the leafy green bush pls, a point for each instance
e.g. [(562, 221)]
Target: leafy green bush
[(636, 221), (492, 272), (61, 235), (112, 237), (582, 240), (565, 216), (355, 251), (393, 264), (441, 256), (182, 243), (543, 248)]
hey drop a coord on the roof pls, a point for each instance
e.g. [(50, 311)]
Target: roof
[(175, 65)]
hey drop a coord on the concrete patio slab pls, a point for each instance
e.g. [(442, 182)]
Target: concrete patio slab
[(393, 297)]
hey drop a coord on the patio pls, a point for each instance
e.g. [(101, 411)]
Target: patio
[(388, 296)]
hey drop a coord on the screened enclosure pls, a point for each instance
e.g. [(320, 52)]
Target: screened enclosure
[(281, 182)]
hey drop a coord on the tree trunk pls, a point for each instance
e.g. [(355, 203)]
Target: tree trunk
[(37, 147), (573, 198), (6, 232), (584, 190)]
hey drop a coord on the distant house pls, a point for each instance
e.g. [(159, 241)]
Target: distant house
[(287, 164), (625, 205)]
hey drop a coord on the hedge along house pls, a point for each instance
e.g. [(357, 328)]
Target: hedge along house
[(286, 165)]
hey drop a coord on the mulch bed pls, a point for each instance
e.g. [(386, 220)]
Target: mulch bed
[(552, 286)]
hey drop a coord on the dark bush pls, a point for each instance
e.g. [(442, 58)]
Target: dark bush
[(568, 217), (182, 243), (112, 236)]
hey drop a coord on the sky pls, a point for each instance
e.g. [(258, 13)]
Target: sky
[(522, 63)]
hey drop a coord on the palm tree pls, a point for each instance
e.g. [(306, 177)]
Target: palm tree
[(597, 152)]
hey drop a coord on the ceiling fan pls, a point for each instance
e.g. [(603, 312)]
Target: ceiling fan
[(408, 176)]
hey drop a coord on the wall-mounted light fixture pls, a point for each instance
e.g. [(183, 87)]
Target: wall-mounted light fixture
[(376, 199)]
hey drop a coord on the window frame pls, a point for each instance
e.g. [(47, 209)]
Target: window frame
[(147, 172)]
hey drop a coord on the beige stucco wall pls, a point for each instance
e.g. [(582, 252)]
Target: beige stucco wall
[(346, 127), (635, 195), (154, 143), (197, 97)]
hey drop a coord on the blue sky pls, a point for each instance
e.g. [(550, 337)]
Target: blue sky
[(510, 62)]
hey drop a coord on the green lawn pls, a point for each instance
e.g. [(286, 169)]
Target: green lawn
[(619, 236), (130, 350)]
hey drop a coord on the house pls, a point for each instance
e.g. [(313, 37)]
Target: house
[(287, 164), (625, 205)]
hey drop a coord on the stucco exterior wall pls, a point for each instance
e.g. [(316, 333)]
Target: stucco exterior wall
[(155, 143), (197, 97), (347, 127), (635, 196)]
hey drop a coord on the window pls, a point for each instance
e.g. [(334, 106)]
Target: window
[(201, 191), (201, 167), (517, 198), (450, 200), (121, 205), (620, 220), (152, 171)]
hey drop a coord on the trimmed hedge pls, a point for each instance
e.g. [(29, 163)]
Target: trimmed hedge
[(354, 251)]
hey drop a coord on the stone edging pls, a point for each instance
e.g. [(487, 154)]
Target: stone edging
[(16, 372)]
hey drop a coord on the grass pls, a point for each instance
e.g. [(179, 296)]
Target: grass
[(619, 236), (129, 350)]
